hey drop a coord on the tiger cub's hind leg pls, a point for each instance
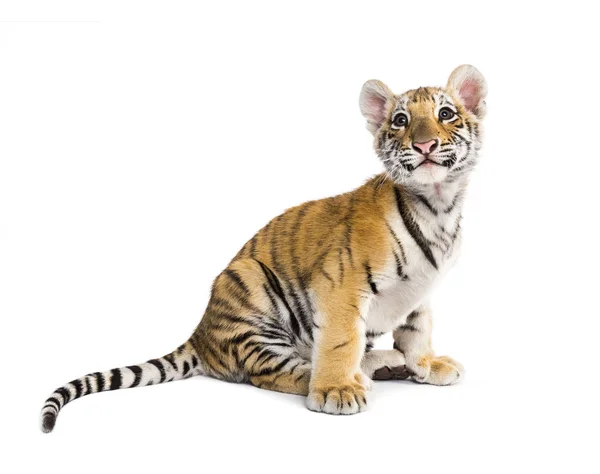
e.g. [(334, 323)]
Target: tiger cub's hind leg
[(246, 333), (286, 375)]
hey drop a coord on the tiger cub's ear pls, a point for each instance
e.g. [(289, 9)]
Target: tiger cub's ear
[(375, 100), (469, 85)]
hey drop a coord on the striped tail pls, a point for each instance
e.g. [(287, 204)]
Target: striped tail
[(179, 364)]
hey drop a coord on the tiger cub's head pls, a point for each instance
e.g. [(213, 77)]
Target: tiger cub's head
[(427, 135)]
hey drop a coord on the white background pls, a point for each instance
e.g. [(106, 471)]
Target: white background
[(142, 143)]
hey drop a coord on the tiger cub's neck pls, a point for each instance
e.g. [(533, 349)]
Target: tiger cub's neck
[(439, 199), (437, 211)]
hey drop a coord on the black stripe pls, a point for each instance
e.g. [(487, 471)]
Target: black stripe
[(194, 361), (233, 275), (427, 204), (49, 406), (399, 269), (276, 331), (449, 209), (395, 237), (78, 387), (272, 370), (275, 285), (273, 326), (370, 279), (186, 368), (274, 334), (171, 360), (115, 379), (449, 163), (302, 374), (250, 326), (348, 218), (265, 355), (436, 244), (328, 276), (65, 394), (242, 337), (279, 344), (302, 318), (55, 401), (339, 346), (413, 228), (271, 297), (349, 252), (409, 327), (291, 371), (445, 237), (137, 372), (232, 318), (255, 349), (341, 265), (88, 387), (99, 381), (158, 364)]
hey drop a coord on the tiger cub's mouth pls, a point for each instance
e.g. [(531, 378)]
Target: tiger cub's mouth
[(429, 163)]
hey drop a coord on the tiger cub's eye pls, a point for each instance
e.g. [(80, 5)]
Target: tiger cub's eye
[(400, 120), (446, 113)]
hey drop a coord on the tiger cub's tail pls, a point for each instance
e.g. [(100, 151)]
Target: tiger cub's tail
[(179, 364)]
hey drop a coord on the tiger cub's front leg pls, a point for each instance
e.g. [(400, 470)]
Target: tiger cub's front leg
[(413, 339), (338, 385)]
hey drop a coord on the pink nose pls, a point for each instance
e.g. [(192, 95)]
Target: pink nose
[(427, 147)]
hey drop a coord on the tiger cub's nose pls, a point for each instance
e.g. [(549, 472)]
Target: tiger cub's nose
[(425, 148)]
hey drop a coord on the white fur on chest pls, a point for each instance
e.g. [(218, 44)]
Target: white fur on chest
[(397, 298)]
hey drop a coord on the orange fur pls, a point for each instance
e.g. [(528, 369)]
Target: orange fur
[(309, 243)]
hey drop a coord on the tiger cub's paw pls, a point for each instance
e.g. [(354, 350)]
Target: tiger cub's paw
[(343, 400), (441, 370)]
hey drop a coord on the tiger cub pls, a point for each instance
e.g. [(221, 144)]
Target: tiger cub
[(298, 308)]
